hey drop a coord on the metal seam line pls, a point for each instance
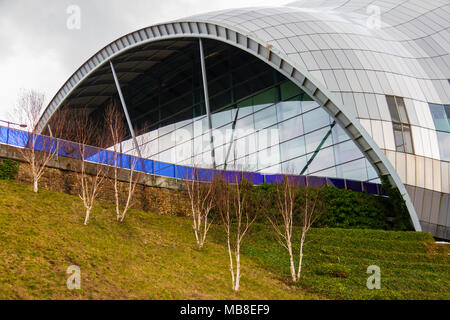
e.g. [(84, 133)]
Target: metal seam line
[(208, 111), (125, 110)]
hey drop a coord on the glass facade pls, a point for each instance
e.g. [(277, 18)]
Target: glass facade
[(441, 117), (261, 121)]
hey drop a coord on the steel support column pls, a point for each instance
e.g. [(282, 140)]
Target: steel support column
[(208, 111), (125, 110)]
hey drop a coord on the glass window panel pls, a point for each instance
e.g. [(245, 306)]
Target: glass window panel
[(339, 134), (264, 99), (392, 108), (245, 123), (355, 170), (292, 148), (220, 119), (447, 112), (288, 109), (167, 141), (324, 159), (272, 170), (290, 129), (402, 110), (313, 140), (168, 156), (444, 145), (407, 139), (243, 147), (308, 104), (269, 157), (330, 173), (315, 119), (294, 166), (371, 172), (440, 116), (245, 103), (183, 151), (265, 118), (347, 151), (289, 90), (398, 137)]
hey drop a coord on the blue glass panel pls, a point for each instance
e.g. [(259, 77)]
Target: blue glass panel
[(17, 138), (338, 183), (124, 161), (274, 178), (164, 169), (144, 165), (354, 185), (44, 144), (205, 175), (3, 135), (185, 173), (69, 149), (101, 156), (254, 177), (302, 181), (316, 181), (371, 188), (232, 176)]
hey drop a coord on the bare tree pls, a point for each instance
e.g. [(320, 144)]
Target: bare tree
[(232, 204), (310, 212), (284, 226), (287, 195), (202, 201), (92, 171), (38, 150), (115, 123)]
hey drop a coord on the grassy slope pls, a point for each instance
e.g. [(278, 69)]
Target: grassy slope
[(154, 257)]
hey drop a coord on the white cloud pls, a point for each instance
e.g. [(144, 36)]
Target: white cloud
[(39, 52)]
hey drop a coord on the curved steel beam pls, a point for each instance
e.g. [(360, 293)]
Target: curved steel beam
[(258, 48)]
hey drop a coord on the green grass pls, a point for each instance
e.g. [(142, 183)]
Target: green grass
[(154, 257)]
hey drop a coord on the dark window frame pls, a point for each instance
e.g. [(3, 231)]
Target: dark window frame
[(403, 125)]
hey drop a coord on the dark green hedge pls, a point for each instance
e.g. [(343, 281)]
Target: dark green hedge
[(345, 208), (8, 169)]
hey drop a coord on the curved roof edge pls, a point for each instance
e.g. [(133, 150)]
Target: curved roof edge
[(257, 47)]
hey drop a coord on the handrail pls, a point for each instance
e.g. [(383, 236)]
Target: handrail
[(19, 138)]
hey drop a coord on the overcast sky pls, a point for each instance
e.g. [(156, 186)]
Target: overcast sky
[(38, 50)]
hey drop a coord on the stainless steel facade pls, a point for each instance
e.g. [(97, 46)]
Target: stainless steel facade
[(381, 69)]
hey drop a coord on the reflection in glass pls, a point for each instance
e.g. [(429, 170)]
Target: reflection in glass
[(314, 119)]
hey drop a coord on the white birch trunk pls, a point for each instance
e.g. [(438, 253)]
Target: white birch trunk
[(88, 211), (291, 261), (302, 241)]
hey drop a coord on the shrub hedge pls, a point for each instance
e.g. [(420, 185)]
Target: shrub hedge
[(8, 169), (344, 208)]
